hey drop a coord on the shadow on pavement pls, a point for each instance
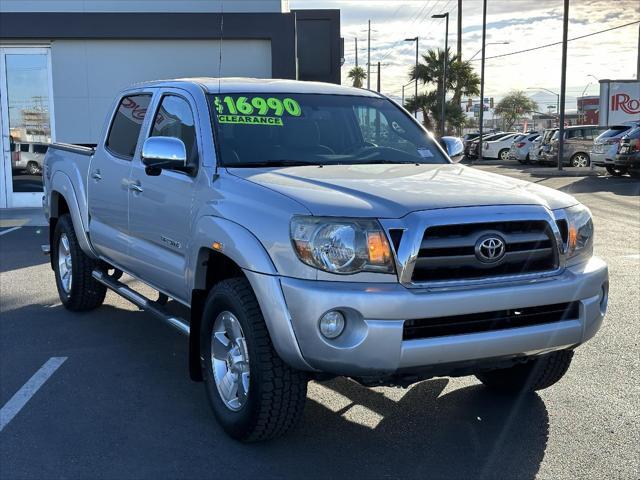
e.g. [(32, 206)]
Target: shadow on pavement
[(21, 248), (624, 186), (123, 406)]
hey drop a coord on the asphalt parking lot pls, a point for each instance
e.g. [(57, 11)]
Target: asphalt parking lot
[(121, 404)]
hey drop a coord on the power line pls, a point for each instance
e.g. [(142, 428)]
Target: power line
[(557, 43)]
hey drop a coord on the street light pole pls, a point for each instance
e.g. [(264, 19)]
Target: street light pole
[(356, 52), (415, 98), (484, 38), (489, 43), (369, 57), (551, 92), (563, 82), (444, 72)]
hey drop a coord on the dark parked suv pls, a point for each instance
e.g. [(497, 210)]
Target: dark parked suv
[(627, 159)]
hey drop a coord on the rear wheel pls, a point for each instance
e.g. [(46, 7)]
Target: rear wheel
[(255, 396), (504, 154), (616, 171), (580, 160), (77, 288), (536, 374), (33, 168)]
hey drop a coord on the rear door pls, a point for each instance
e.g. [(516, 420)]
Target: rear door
[(161, 206), (108, 182)]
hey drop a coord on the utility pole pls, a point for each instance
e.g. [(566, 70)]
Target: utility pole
[(484, 38), (443, 108), (369, 57), (356, 39), (378, 77), (459, 49), (563, 82)]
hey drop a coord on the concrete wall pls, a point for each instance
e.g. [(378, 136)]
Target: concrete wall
[(87, 74), (174, 6)]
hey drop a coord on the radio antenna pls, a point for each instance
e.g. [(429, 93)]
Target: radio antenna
[(221, 36)]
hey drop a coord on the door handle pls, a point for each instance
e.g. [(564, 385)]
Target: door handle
[(96, 175), (136, 187)]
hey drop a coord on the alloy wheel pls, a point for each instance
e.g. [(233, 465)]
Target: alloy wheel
[(65, 263), (580, 160), (230, 361)]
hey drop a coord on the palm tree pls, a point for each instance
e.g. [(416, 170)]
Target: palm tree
[(357, 74), (460, 78), (425, 103)]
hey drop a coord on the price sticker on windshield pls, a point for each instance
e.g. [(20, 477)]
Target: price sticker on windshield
[(255, 110)]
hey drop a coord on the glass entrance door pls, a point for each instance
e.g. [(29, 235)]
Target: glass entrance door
[(26, 121)]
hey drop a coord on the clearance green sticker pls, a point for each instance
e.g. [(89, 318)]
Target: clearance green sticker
[(255, 110)]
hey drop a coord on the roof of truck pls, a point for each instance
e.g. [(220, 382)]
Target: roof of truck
[(262, 85)]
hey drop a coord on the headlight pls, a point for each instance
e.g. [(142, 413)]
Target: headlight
[(341, 245), (579, 232)]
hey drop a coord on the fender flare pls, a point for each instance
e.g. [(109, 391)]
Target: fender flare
[(235, 242), (243, 248), (62, 185)]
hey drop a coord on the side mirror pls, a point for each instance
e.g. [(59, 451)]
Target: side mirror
[(163, 152), (454, 148)]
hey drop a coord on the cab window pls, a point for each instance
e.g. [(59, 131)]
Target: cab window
[(126, 125), (174, 118)]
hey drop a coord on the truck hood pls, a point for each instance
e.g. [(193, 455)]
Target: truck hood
[(393, 191)]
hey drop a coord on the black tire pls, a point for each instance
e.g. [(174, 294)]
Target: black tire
[(33, 168), (85, 293), (634, 173), (503, 154), (536, 374), (616, 171), (276, 393)]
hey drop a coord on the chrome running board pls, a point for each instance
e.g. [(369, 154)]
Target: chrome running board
[(141, 301)]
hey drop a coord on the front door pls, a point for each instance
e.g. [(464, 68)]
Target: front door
[(26, 124), (161, 206)]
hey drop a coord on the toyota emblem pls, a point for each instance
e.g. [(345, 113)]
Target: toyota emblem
[(490, 249)]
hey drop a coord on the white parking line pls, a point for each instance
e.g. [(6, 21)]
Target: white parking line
[(28, 390), (9, 230)]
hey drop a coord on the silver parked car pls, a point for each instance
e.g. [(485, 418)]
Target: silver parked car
[(521, 148), (605, 146)]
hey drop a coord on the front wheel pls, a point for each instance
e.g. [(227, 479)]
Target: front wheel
[(616, 171), (254, 395), (77, 289), (536, 374), (580, 160)]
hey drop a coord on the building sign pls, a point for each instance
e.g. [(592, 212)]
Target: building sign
[(620, 99)]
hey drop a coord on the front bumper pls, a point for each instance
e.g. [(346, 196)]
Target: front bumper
[(627, 160), (372, 343)]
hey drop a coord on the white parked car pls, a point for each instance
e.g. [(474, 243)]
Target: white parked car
[(499, 148), (605, 146)]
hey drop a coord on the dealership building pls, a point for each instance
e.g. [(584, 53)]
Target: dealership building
[(63, 61)]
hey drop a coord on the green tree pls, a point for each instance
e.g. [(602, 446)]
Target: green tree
[(358, 75), (513, 106), (461, 78), (425, 103)]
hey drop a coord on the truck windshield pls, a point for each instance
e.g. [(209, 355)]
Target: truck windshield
[(270, 130)]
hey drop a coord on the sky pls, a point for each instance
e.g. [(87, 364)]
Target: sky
[(522, 23)]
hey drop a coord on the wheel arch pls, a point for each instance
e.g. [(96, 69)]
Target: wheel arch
[(221, 249), (62, 200)]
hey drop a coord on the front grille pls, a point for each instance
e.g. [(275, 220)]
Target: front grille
[(450, 252), (489, 321)]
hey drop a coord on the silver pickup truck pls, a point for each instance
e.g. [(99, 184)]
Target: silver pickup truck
[(316, 230)]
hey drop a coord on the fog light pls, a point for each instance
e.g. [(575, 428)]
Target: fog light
[(332, 324)]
